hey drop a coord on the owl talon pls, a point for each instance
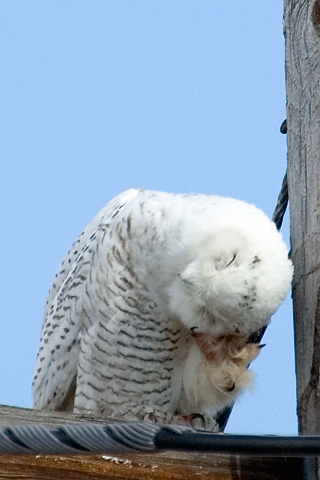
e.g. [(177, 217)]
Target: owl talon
[(153, 418), (197, 421)]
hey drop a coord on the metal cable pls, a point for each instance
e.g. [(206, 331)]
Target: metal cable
[(79, 438), (283, 198), (282, 204), (261, 445), (145, 437)]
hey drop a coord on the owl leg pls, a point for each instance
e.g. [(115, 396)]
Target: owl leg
[(197, 421)]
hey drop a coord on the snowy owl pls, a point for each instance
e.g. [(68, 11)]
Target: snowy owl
[(152, 310)]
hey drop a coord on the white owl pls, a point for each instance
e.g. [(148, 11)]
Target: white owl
[(151, 312)]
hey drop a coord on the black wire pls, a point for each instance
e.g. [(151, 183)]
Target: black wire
[(282, 204), (238, 444)]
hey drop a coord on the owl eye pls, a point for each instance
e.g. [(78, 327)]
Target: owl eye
[(231, 261), (224, 262)]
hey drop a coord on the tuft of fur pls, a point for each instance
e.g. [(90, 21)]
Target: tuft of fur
[(221, 372)]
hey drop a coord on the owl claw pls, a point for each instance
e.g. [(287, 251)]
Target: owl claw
[(197, 421), (153, 418)]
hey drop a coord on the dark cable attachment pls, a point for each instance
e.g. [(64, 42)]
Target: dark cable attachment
[(238, 444), (283, 127)]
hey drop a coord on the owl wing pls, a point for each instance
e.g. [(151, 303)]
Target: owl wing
[(104, 334), (56, 363), (125, 366), (108, 212)]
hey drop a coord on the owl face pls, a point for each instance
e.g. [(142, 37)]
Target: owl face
[(231, 287)]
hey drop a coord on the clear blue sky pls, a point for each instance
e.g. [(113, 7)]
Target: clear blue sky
[(101, 96)]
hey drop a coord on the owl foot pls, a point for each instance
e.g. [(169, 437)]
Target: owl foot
[(152, 417), (197, 421)]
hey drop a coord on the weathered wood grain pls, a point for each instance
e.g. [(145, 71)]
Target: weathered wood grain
[(157, 466), (18, 416), (161, 466), (302, 28), (303, 112)]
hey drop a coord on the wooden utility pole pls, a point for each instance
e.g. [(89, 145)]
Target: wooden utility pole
[(302, 34)]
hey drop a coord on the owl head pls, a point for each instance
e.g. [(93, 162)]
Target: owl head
[(234, 282)]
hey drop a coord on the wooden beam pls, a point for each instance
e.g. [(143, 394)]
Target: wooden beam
[(157, 466)]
